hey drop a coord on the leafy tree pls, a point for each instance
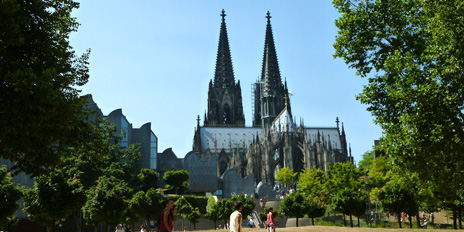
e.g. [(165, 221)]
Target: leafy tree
[(176, 181), (415, 93), (212, 210), (9, 195), (286, 176), (193, 217), (147, 205), (148, 178), (248, 204), (39, 72), (107, 201), (226, 208), (316, 207), (312, 185), (294, 205), (183, 207), (397, 198), (367, 160), (53, 198), (345, 184)]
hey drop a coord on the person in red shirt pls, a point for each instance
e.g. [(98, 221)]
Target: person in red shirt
[(166, 217)]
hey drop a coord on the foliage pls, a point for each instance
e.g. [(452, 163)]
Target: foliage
[(398, 198), (312, 183), (248, 204), (366, 160), (226, 208), (107, 201), (9, 195), (316, 207), (294, 205), (147, 205), (212, 210), (193, 217), (39, 75), (195, 201), (53, 198), (415, 94), (148, 178), (286, 176), (176, 181)]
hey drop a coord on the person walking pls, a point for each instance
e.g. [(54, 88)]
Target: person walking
[(166, 217), (271, 220), (236, 218)]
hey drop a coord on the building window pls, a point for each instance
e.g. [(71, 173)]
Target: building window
[(153, 151)]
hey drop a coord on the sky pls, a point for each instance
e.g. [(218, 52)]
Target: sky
[(154, 60)]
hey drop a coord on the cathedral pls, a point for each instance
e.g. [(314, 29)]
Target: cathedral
[(274, 140)]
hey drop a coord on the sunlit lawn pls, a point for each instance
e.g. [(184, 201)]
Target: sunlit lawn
[(325, 229)]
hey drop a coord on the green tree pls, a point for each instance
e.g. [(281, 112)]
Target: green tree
[(53, 198), (212, 210), (286, 176), (367, 160), (345, 185), (316, 207), (294, 205), (248, 204), (9, 195), (397, 198), (176, 181), (411, 52), (193, 217), (107, 201), (312, 185), (148, 178), (147, 205), (39, 75), (226, 208), (183, 207)]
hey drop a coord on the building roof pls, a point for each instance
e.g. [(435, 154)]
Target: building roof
[(222, 135)]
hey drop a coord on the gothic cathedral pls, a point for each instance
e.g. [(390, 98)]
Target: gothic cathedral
[(274, 140)]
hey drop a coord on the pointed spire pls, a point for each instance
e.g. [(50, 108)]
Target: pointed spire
[(270, 71), (350, 150), (337, 121), (343, 130), (224, 74)]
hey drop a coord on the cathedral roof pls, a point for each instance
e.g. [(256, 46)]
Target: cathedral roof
[(270, 73), (325, 132), (222, 136), (283, 120)]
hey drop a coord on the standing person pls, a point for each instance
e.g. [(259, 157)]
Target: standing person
[(236, 218), (261, 202), (271, 220), (432, 217), (173, 212), (166, 217), (142, 228)]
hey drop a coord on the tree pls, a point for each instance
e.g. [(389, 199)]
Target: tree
[(294, 205), (345, 184), (397, 198), (411, 52), (148, 178), (286, 176), (176, 181), (147, 205), (9, 195), (53, 198), (226, 208), (183, 207), (107, 201), (193, 217), (312, 185), (42, 113), (248, 205), (316, 207), (212, 210), (367, 160)]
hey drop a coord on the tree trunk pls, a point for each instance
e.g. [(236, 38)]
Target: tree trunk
[(344, 219), (459, 217), (454, 220), (214, 225), (351, 220), (312, 220), (418, 219), (51, 227), (410, 221), (358, 223), (96, 228), (194, 228), (399, 219), (106, 226), (296, 221)]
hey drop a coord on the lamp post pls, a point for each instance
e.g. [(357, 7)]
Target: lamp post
[(368, 201)]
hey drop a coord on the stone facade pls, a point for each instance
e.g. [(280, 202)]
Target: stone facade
[(233, 184), (275, 140), (203, 173)]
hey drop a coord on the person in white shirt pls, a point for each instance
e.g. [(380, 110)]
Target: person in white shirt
[(236, 218)]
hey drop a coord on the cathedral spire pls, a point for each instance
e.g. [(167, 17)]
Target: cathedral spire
[(270, 70), (224, 74)]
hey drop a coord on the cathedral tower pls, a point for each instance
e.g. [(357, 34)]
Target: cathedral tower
[(224, 95), (269, 91)]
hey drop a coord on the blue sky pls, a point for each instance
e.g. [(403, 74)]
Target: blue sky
[(154, 59)]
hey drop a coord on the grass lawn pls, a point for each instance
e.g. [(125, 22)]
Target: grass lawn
[(326, 229)]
